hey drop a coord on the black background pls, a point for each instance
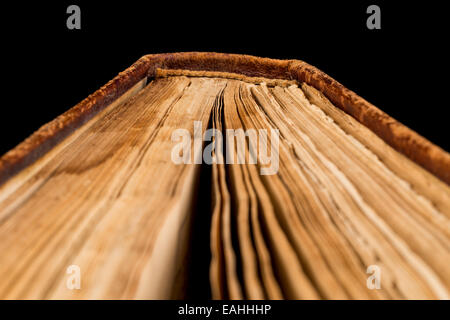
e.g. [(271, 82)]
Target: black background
[(49, 68)]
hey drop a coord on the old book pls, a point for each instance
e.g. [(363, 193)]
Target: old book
[(225, 177)]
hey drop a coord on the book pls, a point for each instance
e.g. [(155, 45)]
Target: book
[(225, 177)]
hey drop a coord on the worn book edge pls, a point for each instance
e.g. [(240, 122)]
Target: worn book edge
[(401, 138)]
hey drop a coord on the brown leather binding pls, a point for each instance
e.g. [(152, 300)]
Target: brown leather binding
[(401, 138)]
